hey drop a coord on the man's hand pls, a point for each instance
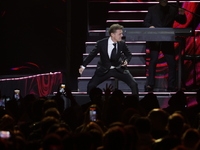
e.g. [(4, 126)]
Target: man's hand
[(125, 63), (108, 90), (181, 11), (81, 70)]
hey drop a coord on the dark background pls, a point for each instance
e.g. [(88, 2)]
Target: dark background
[(42, 36)]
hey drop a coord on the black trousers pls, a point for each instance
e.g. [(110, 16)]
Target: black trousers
[(125, 77), (168, 51)]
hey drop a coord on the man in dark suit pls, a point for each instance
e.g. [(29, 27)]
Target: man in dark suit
[(159, 16), (114, 57)]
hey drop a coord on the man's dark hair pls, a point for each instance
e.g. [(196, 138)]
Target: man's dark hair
[(115, 27)]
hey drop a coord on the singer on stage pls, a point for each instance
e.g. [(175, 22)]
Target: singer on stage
[(159, 16), (114, 57)]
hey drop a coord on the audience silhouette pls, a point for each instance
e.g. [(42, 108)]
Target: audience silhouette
[(159, 120), (123, 122)]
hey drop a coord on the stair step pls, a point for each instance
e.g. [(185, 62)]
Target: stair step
[(163, 93), (126, 15), (135, 71), (83, 81), (95, 35), (129, 66), (137, 5), (134, 47), (130, 5), (160, 84), (126, 23), (137, 59)]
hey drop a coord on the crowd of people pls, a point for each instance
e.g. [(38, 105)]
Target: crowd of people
[(122, 122)]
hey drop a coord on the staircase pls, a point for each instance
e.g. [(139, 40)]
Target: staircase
[(136, 67), (128, 14)]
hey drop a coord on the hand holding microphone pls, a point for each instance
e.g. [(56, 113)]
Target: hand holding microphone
[(124, 63)]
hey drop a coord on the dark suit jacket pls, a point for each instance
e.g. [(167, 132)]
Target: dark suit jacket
[(156, 17), (160, 16), (104, 63)]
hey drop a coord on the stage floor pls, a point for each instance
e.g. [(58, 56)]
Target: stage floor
[(163, 97)]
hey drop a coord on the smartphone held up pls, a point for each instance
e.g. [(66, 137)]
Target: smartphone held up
[(93, 113)]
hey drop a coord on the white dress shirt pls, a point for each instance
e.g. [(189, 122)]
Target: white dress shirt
[(110, 48)]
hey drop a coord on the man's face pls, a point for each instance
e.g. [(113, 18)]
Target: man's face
[(163, 2), (117, 36)]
